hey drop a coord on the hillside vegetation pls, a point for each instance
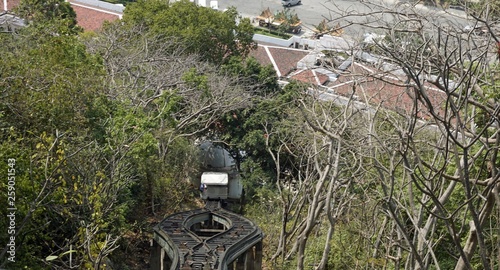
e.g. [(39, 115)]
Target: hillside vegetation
[(99, 130)]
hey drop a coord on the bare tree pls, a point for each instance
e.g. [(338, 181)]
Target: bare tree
[(315, 183), (438, 164), (184, 95)]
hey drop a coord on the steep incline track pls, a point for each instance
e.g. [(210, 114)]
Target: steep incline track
[(187, 249)]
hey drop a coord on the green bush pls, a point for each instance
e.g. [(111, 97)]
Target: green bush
[(271, 33)]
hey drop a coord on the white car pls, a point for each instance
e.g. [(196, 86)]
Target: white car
[(288, 3)]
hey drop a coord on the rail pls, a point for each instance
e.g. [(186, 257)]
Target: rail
[(207, 238)]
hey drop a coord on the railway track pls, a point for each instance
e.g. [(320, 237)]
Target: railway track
[(209, 238)]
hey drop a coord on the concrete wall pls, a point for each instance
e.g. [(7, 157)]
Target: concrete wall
[(272, 40), (325, 42), (118, 8)]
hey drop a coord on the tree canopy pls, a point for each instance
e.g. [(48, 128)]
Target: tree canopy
[(214, 35), (56, 16), (103, 129)]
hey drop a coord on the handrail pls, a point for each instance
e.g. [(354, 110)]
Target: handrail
[(167, 244), (239, 248)]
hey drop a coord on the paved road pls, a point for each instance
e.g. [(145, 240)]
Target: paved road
[(312, 12)]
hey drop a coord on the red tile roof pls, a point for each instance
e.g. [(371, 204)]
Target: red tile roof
[(310, 76), (91, 18), (389, 91), (283, 59), (11, 4), (260, 54), (286, 59), (87, 16), (365, 82)]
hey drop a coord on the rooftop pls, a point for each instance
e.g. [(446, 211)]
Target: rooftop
[(357, 78), (90, 14), (10, 22)]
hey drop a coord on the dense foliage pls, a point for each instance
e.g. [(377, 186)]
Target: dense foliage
[(99, 131), (214, 35)]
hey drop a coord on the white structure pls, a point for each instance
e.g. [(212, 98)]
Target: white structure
[(203, 3), (10, 22), (215, 162), (215, 185), (214, 5)]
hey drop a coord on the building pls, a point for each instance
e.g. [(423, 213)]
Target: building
[(9, 22), (90, 14), (361, 76)]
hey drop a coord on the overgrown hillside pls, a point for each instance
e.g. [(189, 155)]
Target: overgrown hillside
[(99, 131)]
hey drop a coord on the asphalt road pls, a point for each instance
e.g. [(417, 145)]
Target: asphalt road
[(312, 12)]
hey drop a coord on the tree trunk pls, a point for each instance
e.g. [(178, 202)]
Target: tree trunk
[(472, 240)]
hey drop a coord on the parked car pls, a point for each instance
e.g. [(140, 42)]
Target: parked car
[(288, 3)]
